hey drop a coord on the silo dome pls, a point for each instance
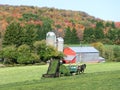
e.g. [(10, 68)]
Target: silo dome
[(51, 39), (60, 44)]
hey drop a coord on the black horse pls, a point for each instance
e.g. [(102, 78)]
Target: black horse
[(81, 68)]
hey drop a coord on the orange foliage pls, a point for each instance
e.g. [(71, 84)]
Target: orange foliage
[(4, 24), (64, 18), (35, 22), (117, 24), (16, 15)]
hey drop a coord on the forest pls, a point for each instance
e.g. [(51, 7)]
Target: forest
[(23, 31), (81, 23)]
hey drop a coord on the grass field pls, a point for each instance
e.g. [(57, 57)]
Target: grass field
[(101, 76)]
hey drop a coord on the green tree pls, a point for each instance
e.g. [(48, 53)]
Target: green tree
[(42, 30), (25, 56), (118, 37), (108, 24), (112, 34), (99, 25), (9, 54), (75, 39), (117, 53), (39, 32), (89, 35), (99, 34), (100, 47), (109, 54), (30, 34), (113, 25), (68, 37), (29, 16), (13, 35), (17, 35), (46, 52)]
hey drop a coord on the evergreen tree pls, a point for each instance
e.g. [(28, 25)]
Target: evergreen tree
[(89, 35), (42, 30), (99, 34), (112, 34), (75, 39), (39, 32), (99, 25), (113, 25), (17, 35), (108, 24), (30, 34), (68, 36), (13, 34)]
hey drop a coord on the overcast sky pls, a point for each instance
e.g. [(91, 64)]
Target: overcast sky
[(104, 9)]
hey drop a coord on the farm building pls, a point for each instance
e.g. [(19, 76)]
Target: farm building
[(73, 54), (51, 39), (81, 54), (70, 56)]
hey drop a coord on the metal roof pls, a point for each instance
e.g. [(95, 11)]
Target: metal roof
[(84, 49), (69, 57)]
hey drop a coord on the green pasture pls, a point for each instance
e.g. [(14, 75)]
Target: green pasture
[(106, 45), (100, 76)]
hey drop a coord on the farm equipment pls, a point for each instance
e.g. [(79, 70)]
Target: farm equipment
[(72, 68), (53, 69), (77, 69)]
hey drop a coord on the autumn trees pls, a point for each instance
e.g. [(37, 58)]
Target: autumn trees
[(47, 19)]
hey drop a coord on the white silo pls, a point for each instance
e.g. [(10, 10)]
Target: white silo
[(51, 39), (60, 44)]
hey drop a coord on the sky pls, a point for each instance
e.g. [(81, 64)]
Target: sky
[(103, 9)]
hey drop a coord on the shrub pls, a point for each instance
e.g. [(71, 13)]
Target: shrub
[(64, 70), (109, 54), (9, 54), (117, 53), (117, 59), (99, 46), (25, 56), (28, 58)]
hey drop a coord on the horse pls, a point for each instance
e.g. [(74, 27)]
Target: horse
[(81, 68)]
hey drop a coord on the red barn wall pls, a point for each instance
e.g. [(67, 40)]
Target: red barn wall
[(69, 52)]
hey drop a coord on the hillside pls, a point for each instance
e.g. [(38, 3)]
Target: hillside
[(59, 19)]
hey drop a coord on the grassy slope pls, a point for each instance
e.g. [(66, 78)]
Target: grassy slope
[(104, 76), (21, 74)]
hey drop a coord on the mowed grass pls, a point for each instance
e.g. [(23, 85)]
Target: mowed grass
[(101, 76), (21, 74)]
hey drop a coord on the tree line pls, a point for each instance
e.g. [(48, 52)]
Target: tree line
[(111, 53), (26, 44), (111, 36)]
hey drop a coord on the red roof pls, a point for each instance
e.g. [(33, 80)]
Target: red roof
[(70, 55)]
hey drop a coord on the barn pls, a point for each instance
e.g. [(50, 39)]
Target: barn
[(70, 55), (82, 54)]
